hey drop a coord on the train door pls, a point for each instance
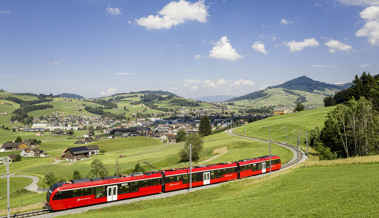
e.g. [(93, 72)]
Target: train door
[(263, 167), (112, 193), (207, 178)]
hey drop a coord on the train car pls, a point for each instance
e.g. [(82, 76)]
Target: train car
[(251, 167), (176, 179), (85, 192)]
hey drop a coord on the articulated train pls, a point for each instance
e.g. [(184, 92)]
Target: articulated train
[(83, 192)]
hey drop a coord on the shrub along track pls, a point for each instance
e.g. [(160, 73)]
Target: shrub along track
[(301, 158)]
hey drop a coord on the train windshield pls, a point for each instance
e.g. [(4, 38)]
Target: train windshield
[(51, 189)]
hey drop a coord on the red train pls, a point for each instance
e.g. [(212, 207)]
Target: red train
[(82, 192)]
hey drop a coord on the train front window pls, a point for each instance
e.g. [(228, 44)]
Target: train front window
[(51, 189), (48, 195)]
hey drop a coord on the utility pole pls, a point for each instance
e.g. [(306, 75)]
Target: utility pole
[(190, 167), (286, 133), (269, 139), (297, 150), (307, 142)]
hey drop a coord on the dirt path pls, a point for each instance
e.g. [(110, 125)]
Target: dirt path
[(212, 158)]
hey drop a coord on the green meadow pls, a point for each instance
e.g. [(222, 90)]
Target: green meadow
[(318, 191)]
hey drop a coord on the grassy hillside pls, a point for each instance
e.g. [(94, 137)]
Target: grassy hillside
[(304, 120), (304, 192)]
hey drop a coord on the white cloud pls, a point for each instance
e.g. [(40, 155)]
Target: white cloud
[(263, 87), (299, 46), (273, 38), (364, 65), (185, 85), (109, 91), (56, 62), (192, 81), (5, 12), (319, 65), (260, 47), (171, 88), (244, 83), (359, 2), (129, 22), (198, 56), (318, 4), (175, 13), (221, 82), (194, 88), (204, 41), (371, 27), (123, 74), (223, 50), (285, 22), (114, 11), (209, 83), (335, 45)]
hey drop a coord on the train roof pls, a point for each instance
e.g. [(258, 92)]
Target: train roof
[(199, 168), (256, 160)]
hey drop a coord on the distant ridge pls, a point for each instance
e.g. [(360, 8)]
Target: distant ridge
[(68, 95), (213, 99), (157, 92), (302, 83)]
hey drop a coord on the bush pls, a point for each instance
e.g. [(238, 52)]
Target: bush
[(197, 146), (138, 168), (17, 158), (325, 153)]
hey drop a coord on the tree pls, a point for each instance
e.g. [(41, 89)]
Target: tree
[(117, 167), (181, 136), (299, 106), (103, 151), (98, 168), (76, 175), (197, 146), (18, 139), (205, 126), (49, 179), (17, 158), (138, 168)]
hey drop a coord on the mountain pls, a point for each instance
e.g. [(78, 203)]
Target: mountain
[(217, 98), (157, 92), (310, 92), (68, 95)]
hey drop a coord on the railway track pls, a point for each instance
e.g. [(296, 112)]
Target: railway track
[(28, 214), (299, 157)]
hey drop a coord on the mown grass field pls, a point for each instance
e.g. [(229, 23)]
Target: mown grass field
[(333, 191), (16, 184), (303, 121)]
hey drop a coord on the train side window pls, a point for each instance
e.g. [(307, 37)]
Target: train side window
[(179, 178), (143, 184), (124, 188), (88, 191), (169, 179), (100, 192), (58, 196), (77, 193), (185, 178), (67, 194), (199, 176), (134, 187)]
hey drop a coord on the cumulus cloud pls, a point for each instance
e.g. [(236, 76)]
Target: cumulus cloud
[(175, 13), (192, 81), (359, 2), (318, 4), (263, 87), (371, 27), (299, 46), (109, 91), (221, 82), (185, 85), (223, 50), (5, 11), (364, 65), (259, 47), (335, 45), (285, 22), (209, 83), (114, 11), (171, 88), (56, 62), (244, 83), (124, 74), (194, 88), (198, 56)]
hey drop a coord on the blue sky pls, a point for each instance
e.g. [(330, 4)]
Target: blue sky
[(192, 48)]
